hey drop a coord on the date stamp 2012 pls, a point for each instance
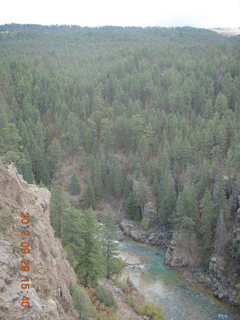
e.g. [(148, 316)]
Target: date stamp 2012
[(25, 263)]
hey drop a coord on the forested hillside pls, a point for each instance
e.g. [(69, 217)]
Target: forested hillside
[(159, 106)]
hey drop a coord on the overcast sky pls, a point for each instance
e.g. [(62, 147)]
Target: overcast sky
[(196, 13)]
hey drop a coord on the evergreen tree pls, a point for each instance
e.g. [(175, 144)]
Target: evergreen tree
[(186, 209), (3, 117), (10, 146), (220, 198), (221, 103), (26, 168), (74, 188), (168, 113), (113, 264), (207, 219), (58, 207), (107, 136), (98, 177), (55, 155), (141, 192), (131, 207), (90, 258), (166, 197), (71, 234), (90, 198)]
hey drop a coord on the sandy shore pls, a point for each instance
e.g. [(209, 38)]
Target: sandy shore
[(130, 258)]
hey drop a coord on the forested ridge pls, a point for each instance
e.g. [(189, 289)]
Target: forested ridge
[(160, 106)]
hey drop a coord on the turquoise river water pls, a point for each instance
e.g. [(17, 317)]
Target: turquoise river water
[(165, 287)]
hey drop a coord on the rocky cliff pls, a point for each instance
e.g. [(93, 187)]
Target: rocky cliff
[(155, 235), (184, 250), (222, 273), (50, 274)]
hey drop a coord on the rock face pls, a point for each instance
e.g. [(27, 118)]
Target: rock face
[(223, 272), (220, 277), (236, 235), (133, 230), (183, 250), (149, 213), (156, 236), (50, 274)]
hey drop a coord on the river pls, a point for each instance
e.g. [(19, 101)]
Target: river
[(165, 287)]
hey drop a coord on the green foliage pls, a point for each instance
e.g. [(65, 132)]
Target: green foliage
[(141, 192), (26, 168), (144, 224), (113, 264), (90, 255), (10, 138), (55, 155), (112, 316), (83, 304), (238, 289), (90, 197), (207, 221), (7, 219), (131, 207), (186, 208), (10, 146), (105, 296), (236, 248), (156, 105), (220, 198), (151, 311), (71, 230), (116, 266), (58, 206), (53, 253), (74, 185), (166, 196), (34, 219), (80, 234), (106, 135)]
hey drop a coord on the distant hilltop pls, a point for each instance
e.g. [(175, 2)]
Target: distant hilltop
[(227, 31)]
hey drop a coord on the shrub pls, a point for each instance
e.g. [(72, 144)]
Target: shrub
[(238, 292), (42, 186), (83, 304), (34, 219), (105, 296), (110, 317), (53, 253), (116, 267), (7, 219), (144, 224), (151, 311)]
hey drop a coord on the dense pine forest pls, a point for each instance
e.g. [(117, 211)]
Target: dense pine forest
[(160, 106)]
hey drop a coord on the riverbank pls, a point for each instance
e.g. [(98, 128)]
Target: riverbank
[(156, 236), (164, 287), (125, 309), (183, 253)]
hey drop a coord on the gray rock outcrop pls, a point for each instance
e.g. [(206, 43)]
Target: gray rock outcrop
[(149, 213), (133, 230), (156, 236), (183, 250)]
